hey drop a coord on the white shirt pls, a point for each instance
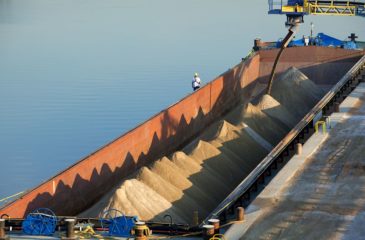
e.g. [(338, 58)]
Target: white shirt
[(306, 41), (196, 82)]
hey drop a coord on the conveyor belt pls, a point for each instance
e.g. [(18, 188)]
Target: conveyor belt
[(317, 7), (341, 3), (341, 8)]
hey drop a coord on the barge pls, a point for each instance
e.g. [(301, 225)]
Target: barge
[(79, 187)]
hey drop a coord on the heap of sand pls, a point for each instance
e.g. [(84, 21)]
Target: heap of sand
[(258, 121), (134, 198), (202, 178), (169, 192), (296, 92), (172, 173), (221, 165), (210, 167), (259, 88), (276, 110), (239, 145), (259, 139)]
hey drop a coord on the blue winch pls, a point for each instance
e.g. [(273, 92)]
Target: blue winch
[(41, 221), (118, 224)]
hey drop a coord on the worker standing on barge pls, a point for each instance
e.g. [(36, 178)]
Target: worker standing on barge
[(196, 82)]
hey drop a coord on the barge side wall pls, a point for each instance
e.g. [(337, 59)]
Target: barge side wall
[(324, 66)]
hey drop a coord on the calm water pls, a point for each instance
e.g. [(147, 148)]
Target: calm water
[(75, 74)]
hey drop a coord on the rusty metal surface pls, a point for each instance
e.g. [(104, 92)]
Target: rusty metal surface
[(321, 65)]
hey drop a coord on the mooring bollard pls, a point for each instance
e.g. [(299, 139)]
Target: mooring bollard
[(141, 231), (298, 149), (2, 230), (195, 218), (208, 231), (215, 223), (70, 225), (337, 107), (328, 122), (240, 214)]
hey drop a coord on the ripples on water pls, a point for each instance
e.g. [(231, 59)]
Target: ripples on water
[(75, 74)]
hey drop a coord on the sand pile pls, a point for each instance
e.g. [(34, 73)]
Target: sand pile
[(258, 90), (202, 178), (215, 163), (220, 164), (259, 139), (173, 174), (244, 165), (276, 110), (258, 121), (159, 185), (135, 198), (163, 185), (244, 150), (296, 92)]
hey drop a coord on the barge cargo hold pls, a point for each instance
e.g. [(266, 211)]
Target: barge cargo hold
[(79, 187), (319, 193)]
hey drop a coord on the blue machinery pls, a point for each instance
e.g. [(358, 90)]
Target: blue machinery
[(41, 221), (295, 11), (324, 40), (112, 223), (118, 224)]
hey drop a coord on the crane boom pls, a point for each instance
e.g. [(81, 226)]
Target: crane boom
[(317, 7), (338, 8)]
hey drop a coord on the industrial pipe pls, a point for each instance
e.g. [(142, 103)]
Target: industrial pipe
[(292, 30)]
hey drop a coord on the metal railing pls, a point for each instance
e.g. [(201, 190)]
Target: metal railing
[(276, 4)]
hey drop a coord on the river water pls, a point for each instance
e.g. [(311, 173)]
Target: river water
[(75, 74)]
